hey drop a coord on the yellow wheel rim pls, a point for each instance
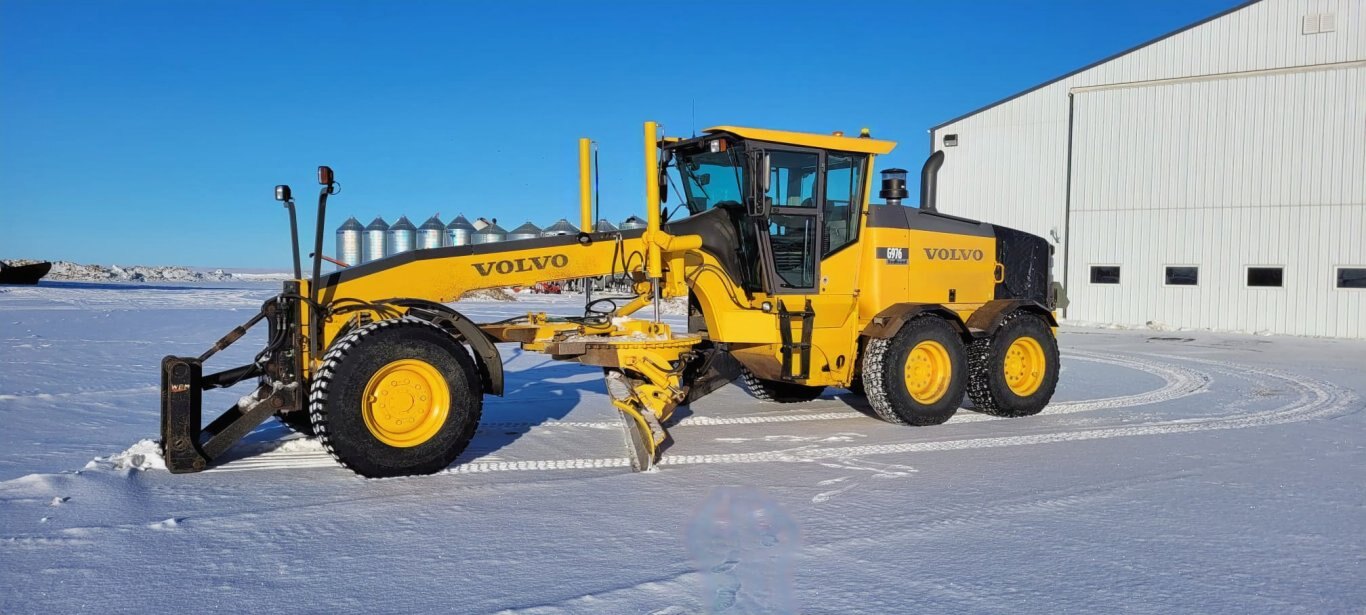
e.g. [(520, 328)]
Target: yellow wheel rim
[(1025, 366), (928, 371), (406, 403)]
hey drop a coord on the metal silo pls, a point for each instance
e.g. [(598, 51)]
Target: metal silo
[(402, 236), (563, 227), (458, 232), (376, 237), (431, 234), (603, 226), (348, 241), (632, 223), (489, 234), (525, 231)]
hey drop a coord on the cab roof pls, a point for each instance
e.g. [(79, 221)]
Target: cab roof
[(807, 139)]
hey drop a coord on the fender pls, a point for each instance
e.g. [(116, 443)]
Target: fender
[(486, 353), (889, 321), (987, 318)]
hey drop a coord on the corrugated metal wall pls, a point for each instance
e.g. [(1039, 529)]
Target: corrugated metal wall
[(1241, 141)]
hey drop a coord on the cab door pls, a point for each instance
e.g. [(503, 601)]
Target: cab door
[(789, 237), (813, 295)]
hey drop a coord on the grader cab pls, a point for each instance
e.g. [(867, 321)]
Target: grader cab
[(795, 282)]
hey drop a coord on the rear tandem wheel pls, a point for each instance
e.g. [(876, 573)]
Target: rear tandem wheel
[(919, 375), (1015, 371)]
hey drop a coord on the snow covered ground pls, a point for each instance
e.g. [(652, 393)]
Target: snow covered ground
[(1175, 472)]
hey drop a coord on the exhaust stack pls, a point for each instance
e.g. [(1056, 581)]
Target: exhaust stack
[(929, 181)]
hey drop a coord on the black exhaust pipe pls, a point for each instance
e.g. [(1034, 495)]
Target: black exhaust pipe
[(929, 178)]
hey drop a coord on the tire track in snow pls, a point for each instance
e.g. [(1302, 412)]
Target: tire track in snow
[(1315, 399), (74, 394), (1178, 382)]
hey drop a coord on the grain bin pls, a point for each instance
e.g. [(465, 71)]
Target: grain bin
[(604, 226), (489, 234), (376, 238), (402, 236), (349, 240), (458, 232), (525, 231), (563, 227), (432, 233), (632, 223)]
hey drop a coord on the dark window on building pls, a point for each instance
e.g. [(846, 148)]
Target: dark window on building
[(1183, 276), (1266, 277), (1105, 274), (951, 140), (1351, 277)]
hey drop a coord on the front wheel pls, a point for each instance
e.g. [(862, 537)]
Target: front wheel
[(395, 398), (1015, 371)]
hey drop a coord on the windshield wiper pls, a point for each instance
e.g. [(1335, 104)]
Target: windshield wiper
[(684, 168)]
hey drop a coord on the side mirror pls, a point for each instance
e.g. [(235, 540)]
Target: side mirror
[(325, 177), (766, 172), (663, 186), (282, 192)]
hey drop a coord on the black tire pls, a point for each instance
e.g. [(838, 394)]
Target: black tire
[(884, 373), (989, 386), (298, 421), (337, 392), (776, 391)]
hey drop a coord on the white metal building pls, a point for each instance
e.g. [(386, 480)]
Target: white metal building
[(1213, 178)]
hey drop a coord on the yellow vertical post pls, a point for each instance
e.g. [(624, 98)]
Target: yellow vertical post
[(653, 264), (585, 185)]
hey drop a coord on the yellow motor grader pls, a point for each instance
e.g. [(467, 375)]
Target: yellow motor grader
[(794, 282)]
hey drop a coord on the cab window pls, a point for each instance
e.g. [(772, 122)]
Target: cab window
[(711, 178), (793, 241), (792, 179), (843, 200)]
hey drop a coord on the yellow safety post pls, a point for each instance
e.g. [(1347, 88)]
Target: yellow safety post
[(652, 257), (653, 262), (585, 185)]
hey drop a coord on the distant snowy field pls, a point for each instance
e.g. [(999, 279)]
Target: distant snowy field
[(1175, 472)]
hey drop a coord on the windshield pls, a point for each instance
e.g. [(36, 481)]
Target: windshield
[(711, 178)]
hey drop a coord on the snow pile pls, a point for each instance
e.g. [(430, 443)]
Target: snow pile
[(66, 270), (489, 294), (167, 524), (678, 306), (145, 455)]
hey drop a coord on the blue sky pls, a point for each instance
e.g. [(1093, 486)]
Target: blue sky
[(153, 132)]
